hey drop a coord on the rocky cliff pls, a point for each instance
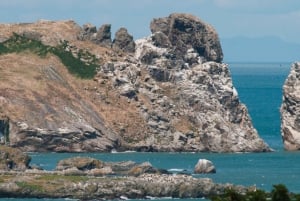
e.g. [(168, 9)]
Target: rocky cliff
[(290, 110), (69, 88)]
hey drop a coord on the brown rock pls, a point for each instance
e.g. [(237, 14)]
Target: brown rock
[(186, 31), (141, 169), (123, 41), (103, 36), (88, 31), (81, 163), (13, 159)]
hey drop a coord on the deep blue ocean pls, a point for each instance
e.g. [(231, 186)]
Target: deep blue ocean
[(259, 86)]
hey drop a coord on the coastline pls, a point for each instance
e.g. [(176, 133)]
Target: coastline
[(51, 184)]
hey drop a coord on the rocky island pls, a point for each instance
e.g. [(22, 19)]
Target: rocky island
[(92, 179), (290, 110), (66, 88)]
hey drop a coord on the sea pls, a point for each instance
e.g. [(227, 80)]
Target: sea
[(259, 86)]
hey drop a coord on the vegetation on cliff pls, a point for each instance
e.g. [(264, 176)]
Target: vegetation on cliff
[(278, 193), (82, 63)]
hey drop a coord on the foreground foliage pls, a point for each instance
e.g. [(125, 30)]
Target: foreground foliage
[(82, 63), (278, 193)]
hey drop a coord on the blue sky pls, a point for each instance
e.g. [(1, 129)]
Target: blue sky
[(231, 18)]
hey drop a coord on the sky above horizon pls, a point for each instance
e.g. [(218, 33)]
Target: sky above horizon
[(231, 18)]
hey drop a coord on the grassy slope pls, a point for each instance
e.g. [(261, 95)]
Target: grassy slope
[(37, 87)]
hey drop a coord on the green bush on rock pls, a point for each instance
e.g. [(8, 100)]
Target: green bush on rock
[(279, 193), (83, 64)]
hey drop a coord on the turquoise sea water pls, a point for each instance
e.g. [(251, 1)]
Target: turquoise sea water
[(260, 87)]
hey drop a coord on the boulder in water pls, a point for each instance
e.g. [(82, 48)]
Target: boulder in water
[(204, 166)]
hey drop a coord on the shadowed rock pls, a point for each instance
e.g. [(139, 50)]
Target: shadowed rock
[(13, 159), (184, 32), (88, 32), (81, 163), (4, 129), (123, 41), (103, 36)]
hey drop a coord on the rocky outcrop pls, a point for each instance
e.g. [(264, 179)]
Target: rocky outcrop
[(88, 179), (204, 166), (81, 163), (88, 32), (166, 92), (4, 129), (186, 32), (103, 36), (72, 138), (55, 185), (290, 110), (13, 159), (186, 106), (91, 166), (123, 41)]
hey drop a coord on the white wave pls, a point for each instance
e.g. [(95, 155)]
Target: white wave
[(176, 170)]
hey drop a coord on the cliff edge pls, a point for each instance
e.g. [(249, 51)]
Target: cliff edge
[(72, 88), (290, 110)]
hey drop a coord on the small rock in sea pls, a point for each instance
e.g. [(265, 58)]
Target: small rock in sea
[(204, 166)]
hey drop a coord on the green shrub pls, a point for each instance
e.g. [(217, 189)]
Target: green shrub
[(258, 195), (29, 187), (75, 65), (280, 193)]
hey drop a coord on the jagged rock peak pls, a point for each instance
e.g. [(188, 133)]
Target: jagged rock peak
[(104, 35), (123, 41), (88, 31), (290, 109), (186, 31)]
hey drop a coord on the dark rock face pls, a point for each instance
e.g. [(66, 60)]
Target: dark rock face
[(4, 129), (161, 40), (123, 41), (104, 35), (82, 138), (290, 110), (88, 32), (13, 159), (184, 32)]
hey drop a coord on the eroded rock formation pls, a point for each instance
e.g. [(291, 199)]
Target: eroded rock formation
[(166, 92), (290, 110), (184, 32), (123, 41)]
